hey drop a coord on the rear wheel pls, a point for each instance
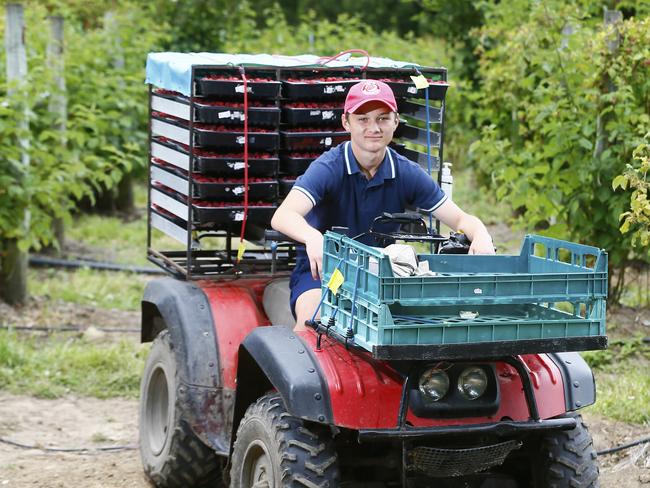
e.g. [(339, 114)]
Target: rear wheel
[(274, 450), (172, 455), (568, 459)]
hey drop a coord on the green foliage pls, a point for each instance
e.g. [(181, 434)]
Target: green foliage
[(560, 114), (316, 35), (60, 365), (635, 177), (105, 127)]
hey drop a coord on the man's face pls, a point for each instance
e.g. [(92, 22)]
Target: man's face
[(371, 127)]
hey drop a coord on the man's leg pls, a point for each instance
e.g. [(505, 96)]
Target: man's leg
[(305, 306)]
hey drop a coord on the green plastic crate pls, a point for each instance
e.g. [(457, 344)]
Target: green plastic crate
[(565, 272), (487, 305)]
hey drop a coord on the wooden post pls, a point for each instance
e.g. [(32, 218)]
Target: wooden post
[(610, 19), (13, 261), (58, 102), (121, 198)]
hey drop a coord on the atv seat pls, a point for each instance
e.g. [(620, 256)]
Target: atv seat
[(276, 303)]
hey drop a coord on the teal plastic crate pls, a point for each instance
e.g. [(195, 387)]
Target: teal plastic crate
[(537, 327), (564, 272), (485, 305)]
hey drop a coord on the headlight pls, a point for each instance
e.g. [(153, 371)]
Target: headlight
[(472, 382), (434, 384)]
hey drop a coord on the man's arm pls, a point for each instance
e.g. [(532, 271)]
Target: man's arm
[(453, 216), (289, 219)]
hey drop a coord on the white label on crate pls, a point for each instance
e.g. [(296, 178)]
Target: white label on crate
[(314, 112), (224, 115), (238, 190), (237, 165), (327, 141), (333, 89), (240, 89), (240, 139), (412, 89), (478, 291), (328, 114), (238, 216)]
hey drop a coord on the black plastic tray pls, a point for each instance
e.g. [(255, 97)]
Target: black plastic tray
[(293, 165), (229, 166), (259, 90), (232, 214), (437, 90), (310, 141), (258, 141), (233, 167), (317, 90), (205, 215), (263, 191), (295, 116), (228, 115)]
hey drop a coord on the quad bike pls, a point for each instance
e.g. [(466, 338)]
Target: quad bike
[(463, 377), (230, 394)]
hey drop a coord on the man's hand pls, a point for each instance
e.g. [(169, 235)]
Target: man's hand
[(482, 244), (314, 248)]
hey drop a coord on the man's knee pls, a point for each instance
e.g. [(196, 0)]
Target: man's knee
[(306, 306)]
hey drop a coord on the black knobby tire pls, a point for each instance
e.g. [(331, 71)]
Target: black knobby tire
[(273, 450), (568, 459), (172, 455)]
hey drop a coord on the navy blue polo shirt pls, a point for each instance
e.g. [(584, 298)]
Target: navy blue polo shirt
[(343, 196)]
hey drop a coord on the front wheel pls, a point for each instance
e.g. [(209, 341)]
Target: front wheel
[(568, 459), (172, 456), (275, 450)]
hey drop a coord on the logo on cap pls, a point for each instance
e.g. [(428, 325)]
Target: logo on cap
[(370, 88)]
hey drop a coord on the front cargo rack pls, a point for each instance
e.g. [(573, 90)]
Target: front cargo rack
[(228, 141)]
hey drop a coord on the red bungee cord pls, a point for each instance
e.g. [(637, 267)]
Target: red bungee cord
[(243, 224)]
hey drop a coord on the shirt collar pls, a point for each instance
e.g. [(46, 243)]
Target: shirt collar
[(385, 171)]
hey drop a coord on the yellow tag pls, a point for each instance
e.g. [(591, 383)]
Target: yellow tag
[(420, 82), (240, 250), (335, 281)]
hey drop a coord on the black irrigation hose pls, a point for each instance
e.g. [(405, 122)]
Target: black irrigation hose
[(622, 447), (66, 328), (44, 261), (77, 450)]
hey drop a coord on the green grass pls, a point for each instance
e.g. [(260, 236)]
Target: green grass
[(59, 364), (102, 289), (124, 242), (622, 381)]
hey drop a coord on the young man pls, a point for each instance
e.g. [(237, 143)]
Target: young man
[(355, 182)]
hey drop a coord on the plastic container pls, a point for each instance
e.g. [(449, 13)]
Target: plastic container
[(565, 272), (552, 290), (316, 140), (446, 332)]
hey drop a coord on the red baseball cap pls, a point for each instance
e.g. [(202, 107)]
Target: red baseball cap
[(369, 91)]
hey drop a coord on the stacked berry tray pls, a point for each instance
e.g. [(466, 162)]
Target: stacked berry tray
[(214, 155), (312, 108)]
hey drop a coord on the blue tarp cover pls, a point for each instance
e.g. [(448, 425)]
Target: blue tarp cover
[(173, 71)]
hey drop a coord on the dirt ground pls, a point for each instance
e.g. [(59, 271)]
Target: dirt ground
[(74, 423)]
